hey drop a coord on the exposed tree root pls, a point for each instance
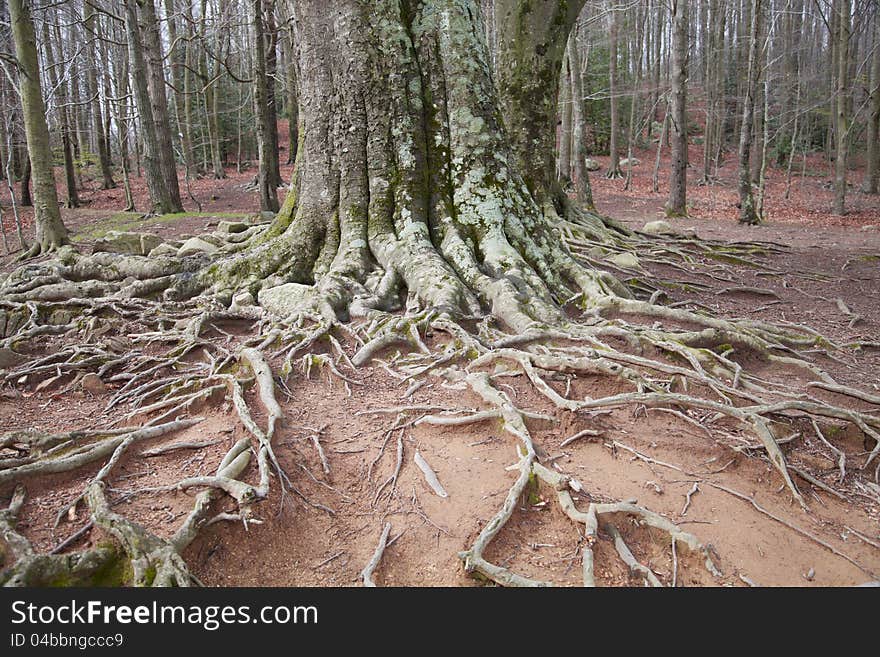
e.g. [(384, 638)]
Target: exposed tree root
[(684, 362)]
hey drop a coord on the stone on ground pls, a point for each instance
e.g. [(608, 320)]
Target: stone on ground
[(659, 227), (282, 300), (196, 245), (625, 260), (126, 243)]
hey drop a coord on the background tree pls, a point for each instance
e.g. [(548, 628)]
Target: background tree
[(50, 231), (677, 204)]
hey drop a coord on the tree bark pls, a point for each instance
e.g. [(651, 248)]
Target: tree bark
[(531, 44), (271, 32), (415, 177), (264, 109), (614, 155), (583, 189), (292, 99), (565, 110), (63, 116), (162, 191), (747, 214), (177, 56), (871, 184), (152, 48), (50, 231), (95, 102), (676, 206), (842, 9)]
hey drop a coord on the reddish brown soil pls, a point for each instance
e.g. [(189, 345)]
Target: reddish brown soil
[(299, 544)]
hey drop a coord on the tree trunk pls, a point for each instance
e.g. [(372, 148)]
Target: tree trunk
[(871, 184), (292, 99), (415, 177), (747, 214), (271, 32), (676, 206), (63, 116), (614, 159), (583, 189), (51, 232), (152, 49), (94, 94), (265, 113), (177, 55), (657, 8), (563, 167), (26, 200), (162, 192), (842, 8), (531, 45)]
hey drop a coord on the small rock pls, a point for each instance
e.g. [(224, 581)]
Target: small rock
[(282, 300), (126, 243), (810, 575), (93, 385), (196, 245), (267, 215), (591, 164), (658, 227), (164, 249), (624, 163), (625, 260), (242, 300), (230, 227), (870, 228)]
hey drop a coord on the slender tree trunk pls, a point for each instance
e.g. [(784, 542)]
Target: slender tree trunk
[(747, 214), (51, 232), (563, 167), (152, 48), (266, 176), (658, 41), (271, 31), (583, 189), (655, 177), (871, 184), (177, 56), (634, 102), (162, 195), (98, 130), (292, 99), (842, 114), (676, 206), (26, 199), (63, 117), (614, 160), (765, 137)]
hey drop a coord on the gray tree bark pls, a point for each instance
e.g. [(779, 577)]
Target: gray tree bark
[(676, 206), (842, 10), (747, 214), (162, 191), (871, 184), (152, 48), (51, 232), (267, 150)]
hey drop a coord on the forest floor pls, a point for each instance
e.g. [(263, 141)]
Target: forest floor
[(826, 262)]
